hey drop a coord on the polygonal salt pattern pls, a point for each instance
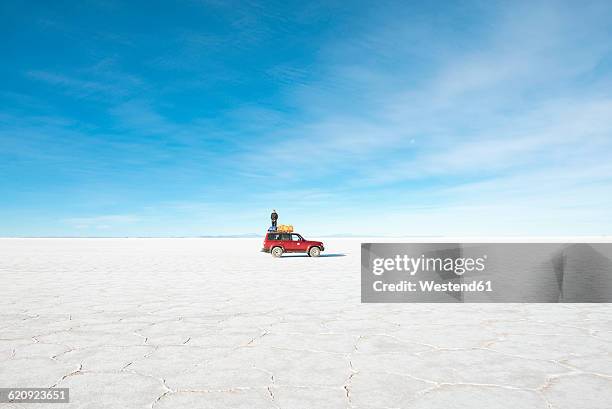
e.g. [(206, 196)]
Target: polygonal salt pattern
[(214, 323)]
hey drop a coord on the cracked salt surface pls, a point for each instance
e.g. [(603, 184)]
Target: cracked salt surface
[(214, 323)]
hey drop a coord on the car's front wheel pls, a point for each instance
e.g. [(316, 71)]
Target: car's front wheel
[(277, 252), (314, 252)]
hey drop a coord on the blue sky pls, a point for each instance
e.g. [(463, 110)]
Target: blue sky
[(390, 118)]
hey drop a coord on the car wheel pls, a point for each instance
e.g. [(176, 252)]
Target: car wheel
[(314, 252), (277, 252)]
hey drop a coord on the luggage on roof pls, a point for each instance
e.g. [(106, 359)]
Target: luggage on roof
[(285, 228)]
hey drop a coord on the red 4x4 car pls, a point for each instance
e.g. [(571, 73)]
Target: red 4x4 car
[(278, 243)]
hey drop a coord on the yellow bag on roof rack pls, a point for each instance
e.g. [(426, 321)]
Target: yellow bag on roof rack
[(285, 228)]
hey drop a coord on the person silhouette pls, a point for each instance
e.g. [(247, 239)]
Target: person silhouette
[(274, 217)]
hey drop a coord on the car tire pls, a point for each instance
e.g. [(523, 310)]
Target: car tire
[(314, 252), (277, 251)]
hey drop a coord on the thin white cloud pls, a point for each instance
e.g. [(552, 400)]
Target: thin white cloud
[(75, 86)]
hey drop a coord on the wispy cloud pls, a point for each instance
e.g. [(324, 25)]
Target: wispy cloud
[(103, 80), (480, 111), (75, 86)]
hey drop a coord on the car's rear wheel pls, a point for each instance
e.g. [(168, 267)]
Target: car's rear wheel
[(314, 252), (277, 251)]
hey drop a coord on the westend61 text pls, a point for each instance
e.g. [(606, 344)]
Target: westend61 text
[(432, 286)]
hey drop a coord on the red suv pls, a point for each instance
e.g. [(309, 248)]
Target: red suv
[(278, 243)]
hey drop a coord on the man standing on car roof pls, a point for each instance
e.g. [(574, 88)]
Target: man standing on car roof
[(274, 217)]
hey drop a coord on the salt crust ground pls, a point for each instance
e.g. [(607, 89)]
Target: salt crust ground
[(214, 323)]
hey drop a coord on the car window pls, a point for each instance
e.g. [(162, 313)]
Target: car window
[(273, 236), (295, 237), (285, 237)]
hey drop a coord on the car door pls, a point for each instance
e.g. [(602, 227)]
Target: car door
[(286, 241), (297, 243)]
